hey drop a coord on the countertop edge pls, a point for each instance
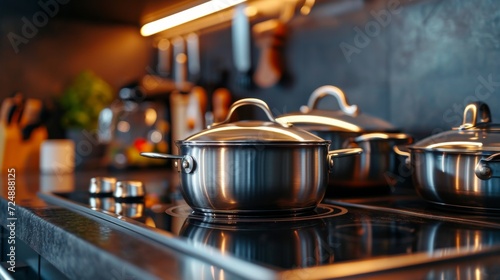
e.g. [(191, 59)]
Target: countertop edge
[(71, 255)]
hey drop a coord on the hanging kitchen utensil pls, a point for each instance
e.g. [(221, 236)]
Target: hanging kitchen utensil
[(253, 166), (242, 46), (164, 58), (346, 128), (179, 99), (193, 54), (180, 68), (270, 37), (460, 167)]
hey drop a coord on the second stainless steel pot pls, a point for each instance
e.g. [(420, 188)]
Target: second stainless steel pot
[(254, 166), (347, 128)]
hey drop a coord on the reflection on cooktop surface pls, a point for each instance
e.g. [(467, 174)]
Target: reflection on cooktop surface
[(337, 232)]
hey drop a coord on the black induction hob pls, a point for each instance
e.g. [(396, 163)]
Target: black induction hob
[(341, 237)]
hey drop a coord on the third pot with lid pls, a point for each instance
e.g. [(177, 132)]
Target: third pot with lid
[(347, 128), (461, 167)]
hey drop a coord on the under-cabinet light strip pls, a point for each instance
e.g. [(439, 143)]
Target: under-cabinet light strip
[(190, 14)]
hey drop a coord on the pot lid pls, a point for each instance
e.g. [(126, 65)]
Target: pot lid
[(347, 119), (253, 131), (475, 135)]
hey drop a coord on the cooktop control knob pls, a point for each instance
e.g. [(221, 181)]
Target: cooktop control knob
[(102, 185), (129, 189)]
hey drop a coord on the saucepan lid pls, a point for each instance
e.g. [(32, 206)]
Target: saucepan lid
[(476, 134), (253, 131), (348, 119)]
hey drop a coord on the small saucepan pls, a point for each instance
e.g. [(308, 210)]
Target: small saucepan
[(254, 166), (460, 167)]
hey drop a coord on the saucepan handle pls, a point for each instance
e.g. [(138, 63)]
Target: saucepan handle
[(319, 93), (249, 101), (187, 162), (488, 168), (399, 151), (342, 153)]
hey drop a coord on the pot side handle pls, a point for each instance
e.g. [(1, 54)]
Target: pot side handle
[(398, 150), (319, 93), (187, 162), (342, 153), (488, 168)]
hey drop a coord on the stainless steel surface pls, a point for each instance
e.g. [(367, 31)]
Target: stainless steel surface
[(294, 243), (102, 185), (253, 102), (348, 119), (256, 177), (129, 189), (187, 162), (280, 169), (449, 178), (130, 210), (104, 203), (350, 128), (477, 110), (489, 167), (324, 91), (252, 178), (457, 167), (477, 135), (252, 131)]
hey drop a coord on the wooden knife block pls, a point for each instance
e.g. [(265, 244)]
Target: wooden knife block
[(23, 155)]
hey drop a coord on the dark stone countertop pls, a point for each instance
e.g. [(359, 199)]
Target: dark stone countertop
[(84, 247)]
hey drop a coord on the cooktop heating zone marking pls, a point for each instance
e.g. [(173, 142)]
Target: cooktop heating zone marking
[(321, 211)]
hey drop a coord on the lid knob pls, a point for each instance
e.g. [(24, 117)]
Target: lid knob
[(477, 110), (321, 92)]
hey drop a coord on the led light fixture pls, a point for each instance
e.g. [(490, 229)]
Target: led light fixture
[(190, 14)]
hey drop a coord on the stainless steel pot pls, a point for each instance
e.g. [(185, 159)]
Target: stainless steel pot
[(252, 166), (460, 167), (349, 128)]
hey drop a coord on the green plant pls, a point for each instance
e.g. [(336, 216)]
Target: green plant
[(83, 100)]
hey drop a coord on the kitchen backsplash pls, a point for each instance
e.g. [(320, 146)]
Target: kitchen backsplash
[(413, 63)]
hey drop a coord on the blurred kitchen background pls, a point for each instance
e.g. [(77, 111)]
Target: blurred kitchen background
[(413, 63)]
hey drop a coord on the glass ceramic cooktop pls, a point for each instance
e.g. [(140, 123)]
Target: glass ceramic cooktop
[(386, 232)]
